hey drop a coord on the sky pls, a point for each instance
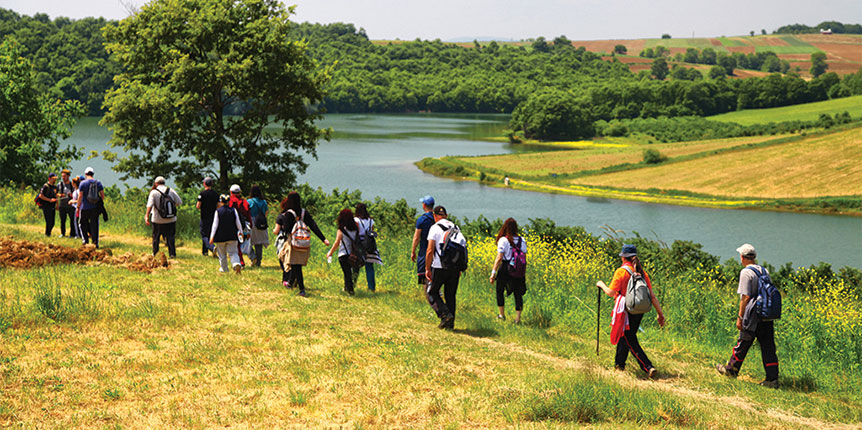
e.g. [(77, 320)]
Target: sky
[(523, 19)]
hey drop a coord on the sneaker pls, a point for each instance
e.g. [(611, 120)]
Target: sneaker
[(447, 321), (652, 373), (726, 371), (620, 368), (285, 284), (238, 269), (501, 317), (769, 384), (301, 293)]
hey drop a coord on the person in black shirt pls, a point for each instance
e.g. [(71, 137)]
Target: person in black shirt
[(48, 198), (207, 202), (291, 209), (65, 190)]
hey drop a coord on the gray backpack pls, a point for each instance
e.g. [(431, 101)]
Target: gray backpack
[(637, 294)]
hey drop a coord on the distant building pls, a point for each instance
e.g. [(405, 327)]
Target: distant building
[(826, 31)]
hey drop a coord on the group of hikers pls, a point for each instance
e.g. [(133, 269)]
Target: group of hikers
[(232, 226)]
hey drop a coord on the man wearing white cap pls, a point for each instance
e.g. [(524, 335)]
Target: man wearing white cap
[(241, 205), (764, 331), (89, 203), (164, 218)]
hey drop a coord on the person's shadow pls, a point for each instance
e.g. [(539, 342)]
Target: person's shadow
[(477, 332)]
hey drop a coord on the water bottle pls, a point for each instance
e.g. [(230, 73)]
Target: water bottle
[(329, 260)]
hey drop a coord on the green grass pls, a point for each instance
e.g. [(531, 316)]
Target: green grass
[(803, 112)]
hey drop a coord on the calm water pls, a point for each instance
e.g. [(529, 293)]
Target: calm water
[(375, 153)]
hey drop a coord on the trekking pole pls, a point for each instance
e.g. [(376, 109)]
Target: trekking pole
[(598, 317)]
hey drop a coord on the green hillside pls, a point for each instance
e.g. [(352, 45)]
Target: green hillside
[(803, 112)]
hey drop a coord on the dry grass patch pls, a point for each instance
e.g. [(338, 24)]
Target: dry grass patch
[(825, 165)]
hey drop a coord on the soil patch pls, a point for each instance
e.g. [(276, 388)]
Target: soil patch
[(24, 254)]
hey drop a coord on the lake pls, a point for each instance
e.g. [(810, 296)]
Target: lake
[(375, 154)]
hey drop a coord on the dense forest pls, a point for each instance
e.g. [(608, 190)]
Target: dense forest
[(71, 63)]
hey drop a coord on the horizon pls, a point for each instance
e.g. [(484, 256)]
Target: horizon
[(510, 21)]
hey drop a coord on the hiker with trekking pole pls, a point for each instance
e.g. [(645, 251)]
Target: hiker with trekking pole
[(632, 290)]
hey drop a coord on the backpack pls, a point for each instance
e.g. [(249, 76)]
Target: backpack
[(167, 207), (518, 263), (300, 235), (637, 294), (453, 255), (768, 303), (37, 200), (93, 192), (356, 254), (260, 221), (368, 241)]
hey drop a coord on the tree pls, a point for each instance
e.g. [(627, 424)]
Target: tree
[(728, 63), (691, 56), (763, 31), (187, 64), (552, 114), (659, 68), (620, 49), (818, 64), (751, 33), (540, 45), (665, 36), (32, 123), (661, 51), (707, 56), (717, 72)]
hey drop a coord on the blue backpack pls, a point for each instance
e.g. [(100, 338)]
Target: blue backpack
[(767, 305)]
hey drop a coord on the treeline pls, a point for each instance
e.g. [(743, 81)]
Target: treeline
[(762, 61), (835, 26)]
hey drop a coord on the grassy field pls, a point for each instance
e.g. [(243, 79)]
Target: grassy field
[(816, 166), (87, 346), (804, 112)]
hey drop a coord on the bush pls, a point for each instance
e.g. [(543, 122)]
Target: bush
[(652, 156)]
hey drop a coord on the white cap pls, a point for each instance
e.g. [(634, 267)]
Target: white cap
[(235, 188), (89, 171), (747, 250), (160, 180)]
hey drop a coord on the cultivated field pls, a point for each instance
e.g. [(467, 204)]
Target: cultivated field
[(803, 112), (536, 164), (825, 165)]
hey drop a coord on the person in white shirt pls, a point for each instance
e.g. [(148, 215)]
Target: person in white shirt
[(366, 227), (225, 233), (500, 273), (162, 226), (439, 277)]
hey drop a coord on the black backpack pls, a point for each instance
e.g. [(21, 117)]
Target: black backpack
[(260, 221), (368, 241), (93, 192), (167, 207), (356, 254), (453, 255)]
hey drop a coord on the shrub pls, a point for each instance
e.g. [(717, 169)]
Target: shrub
[(652, 156)]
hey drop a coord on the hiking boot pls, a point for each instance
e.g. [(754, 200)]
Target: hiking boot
[(619, 368), (446, 322), (769, 384), (301, 293), (652, 373), (726, 371)]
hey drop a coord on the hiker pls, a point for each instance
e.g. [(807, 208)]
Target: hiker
[(420, 238), (225, 231), (207, 204), (257, 208), (508, 270), (91, 205), (437, 274), (626, 322), (47, 201), (367, 236), (75, 203), (164, 217), (763, 330), (294, 241), (64, 193), (350, 257), (241, 205)]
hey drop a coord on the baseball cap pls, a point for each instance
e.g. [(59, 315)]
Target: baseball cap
[(208, 181), (747, 250), (629, 251), (89, 171), (66, 171), (235, 188), (427, 200), (440, 210), (52, 175), (223, 198), (160, 180)]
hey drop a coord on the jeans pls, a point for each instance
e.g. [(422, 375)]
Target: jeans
[(50, 215), (448, 280), (90, 226), (256, 254), (349, 273), (168, 230), (68, 211), (629, 343), (227, 250), (205, 237), (765, 335), (369, 276)]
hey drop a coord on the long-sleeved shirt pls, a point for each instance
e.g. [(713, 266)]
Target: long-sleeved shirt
[(216, 225)]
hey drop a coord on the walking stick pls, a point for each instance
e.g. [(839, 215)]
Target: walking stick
[(598, 317)]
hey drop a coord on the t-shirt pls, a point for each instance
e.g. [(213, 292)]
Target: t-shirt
[(241, 206), (347, 241), (621, 279), (208, 200), (505, 248), (365, 225), (423, 223), (67, 190), (154, 200), (49, 192), (748, 281), (257, 206), (84, 190), (437, 234)]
